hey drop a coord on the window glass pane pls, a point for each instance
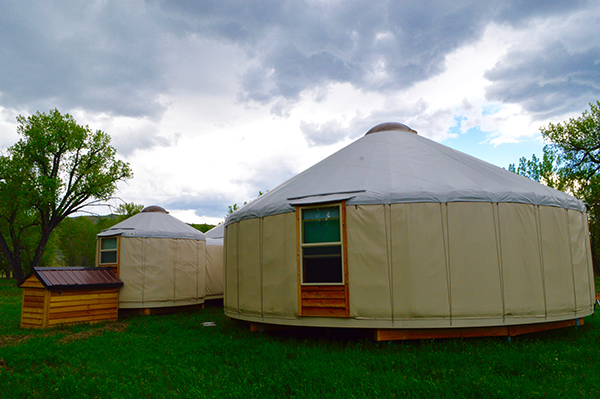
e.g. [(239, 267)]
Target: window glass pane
[(321, 224), (330, 212), (333, 250), (321, 231), (108, 243), (109, 257), (322, 265)]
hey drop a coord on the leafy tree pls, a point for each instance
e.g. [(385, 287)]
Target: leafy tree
[(577, 142), (77, 241), (577, 145), (235, 207), (57, 168), (571, 163), (203, 227), (545, 170), (129, 209)]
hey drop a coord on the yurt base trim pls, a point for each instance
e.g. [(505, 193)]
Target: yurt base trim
[(498, 331), (443, 333), (414, 324)]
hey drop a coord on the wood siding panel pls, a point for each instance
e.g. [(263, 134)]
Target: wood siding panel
[(32, 307), (68, 307), (327, 301), (32, 282), (44, 308)]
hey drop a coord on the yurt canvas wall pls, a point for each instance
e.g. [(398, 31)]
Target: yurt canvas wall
[(417, 236), (161, 261), (214, 262)]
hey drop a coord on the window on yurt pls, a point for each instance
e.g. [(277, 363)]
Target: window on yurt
[(108, 250), (321, 245)]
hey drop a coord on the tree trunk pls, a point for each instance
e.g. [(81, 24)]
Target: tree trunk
[(13, 260), (18, 274), (7, 271)]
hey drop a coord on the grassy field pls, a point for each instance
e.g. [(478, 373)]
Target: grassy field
[(175, 356)]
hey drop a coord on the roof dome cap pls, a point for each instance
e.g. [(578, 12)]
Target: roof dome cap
[(390, 126), (154, 208)]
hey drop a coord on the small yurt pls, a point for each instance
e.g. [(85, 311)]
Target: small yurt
[(160, 259), (401, 234), (214, 262)]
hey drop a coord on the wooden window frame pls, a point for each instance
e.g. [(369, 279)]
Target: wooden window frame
[(116, 264), (323, 299)]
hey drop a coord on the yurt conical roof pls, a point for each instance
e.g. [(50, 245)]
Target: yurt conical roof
[(216, 232), (392, 164), (153, 222)]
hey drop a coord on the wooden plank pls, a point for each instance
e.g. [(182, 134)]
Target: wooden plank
[(496, 331), (28, 323), (323, 295), (78, 301), (36, 316), (82, 313), (34, 299), (531, 328), (64, 293), (65, 309), (33, 310), (29, 304), (324, 303), (327, 312), (33, 292), (315, 288), (63, 298), (67, 304), (32, 282), (25, 325)]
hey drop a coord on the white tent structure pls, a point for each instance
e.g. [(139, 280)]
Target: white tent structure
[(214, 262), (217, 232), (396, 231), (161, 260)]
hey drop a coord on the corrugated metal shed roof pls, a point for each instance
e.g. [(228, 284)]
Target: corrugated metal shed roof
[(54, 278)]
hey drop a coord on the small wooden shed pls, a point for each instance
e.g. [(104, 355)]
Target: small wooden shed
[(69, 295)]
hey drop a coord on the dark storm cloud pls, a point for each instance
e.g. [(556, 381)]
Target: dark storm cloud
[(111, 56), (549, 81), (102, 57)]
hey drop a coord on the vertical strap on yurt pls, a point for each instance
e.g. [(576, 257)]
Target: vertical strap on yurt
[(498, 232), (541, 249), (261, 263), (571, 257), (445, 237), (387, 220)]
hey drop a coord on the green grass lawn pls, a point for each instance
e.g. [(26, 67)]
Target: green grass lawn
[(175, 356)]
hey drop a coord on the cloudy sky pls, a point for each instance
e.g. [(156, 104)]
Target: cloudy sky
[(213, 101)]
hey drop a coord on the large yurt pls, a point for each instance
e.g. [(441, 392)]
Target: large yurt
[(214, 262), (398, 233), (160, 259)]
